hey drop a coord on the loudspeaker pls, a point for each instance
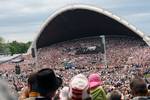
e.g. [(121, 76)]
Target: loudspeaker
[(33, 52), (17, 69)]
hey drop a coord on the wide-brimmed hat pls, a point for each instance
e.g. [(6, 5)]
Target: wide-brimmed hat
[(47, 80), (94, 80)]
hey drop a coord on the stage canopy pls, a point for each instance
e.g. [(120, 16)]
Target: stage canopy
[(78, 21)]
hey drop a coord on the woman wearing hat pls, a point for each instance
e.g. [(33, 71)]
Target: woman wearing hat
[(96, 90)]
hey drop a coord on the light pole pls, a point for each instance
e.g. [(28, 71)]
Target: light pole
[(104, 47)]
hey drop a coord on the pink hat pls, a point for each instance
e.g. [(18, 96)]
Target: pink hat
[(94, 80)]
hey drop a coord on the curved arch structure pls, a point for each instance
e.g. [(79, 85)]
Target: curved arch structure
[(77, 21)]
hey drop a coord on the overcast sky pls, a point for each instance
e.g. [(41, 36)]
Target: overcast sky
[(21, 19)]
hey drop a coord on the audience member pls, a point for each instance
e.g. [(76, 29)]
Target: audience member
[(47, 84), (78, 88), (5, 92), (139, 89), (31, 89), (96, 90), (115, 95)]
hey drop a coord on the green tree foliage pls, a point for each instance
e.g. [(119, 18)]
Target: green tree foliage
[(13, 47), (2, 45), (18, 47)]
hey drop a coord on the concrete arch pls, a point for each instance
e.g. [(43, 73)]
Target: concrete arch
[(77, 21)]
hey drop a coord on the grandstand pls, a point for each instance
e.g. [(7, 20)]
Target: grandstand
[(64, 29), (61, 34), (80, 21)]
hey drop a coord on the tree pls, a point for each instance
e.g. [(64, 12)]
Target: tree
[(18, 47), (14, 47), (2, 49)]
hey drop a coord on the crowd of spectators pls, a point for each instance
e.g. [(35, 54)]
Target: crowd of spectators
[(127, 57)]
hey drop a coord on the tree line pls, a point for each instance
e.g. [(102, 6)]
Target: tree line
[(13, 47)]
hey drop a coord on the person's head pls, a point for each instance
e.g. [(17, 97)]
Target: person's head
[(6, 93), (115, 95), (78, 88), (32, 82), (64, 93), (48, 82), (138, 87), (94, 80), (148, 86)]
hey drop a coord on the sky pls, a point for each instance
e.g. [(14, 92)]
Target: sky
[(21, 20)]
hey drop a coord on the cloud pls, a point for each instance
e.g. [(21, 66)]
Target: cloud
[(21, 17), (19, 37), (22, 33)]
